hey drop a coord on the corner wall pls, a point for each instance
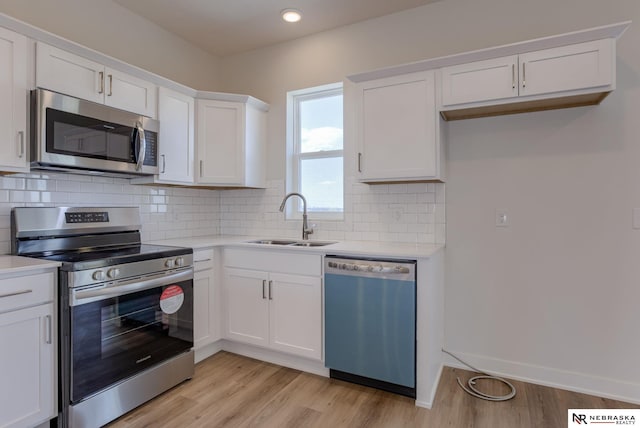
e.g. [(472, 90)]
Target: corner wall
[(553, 298), (113, 30)]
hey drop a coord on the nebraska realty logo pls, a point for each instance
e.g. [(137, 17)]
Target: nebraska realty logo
[(599, 417)]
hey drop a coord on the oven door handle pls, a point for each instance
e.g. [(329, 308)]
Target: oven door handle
[(80, 297)]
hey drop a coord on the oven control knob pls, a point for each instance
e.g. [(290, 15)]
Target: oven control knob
[(179, 261), (169, 263), (113, 273), (98, 275)]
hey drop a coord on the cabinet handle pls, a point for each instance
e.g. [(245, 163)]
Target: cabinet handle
[(264, 283), (16, 293), (110, 85), (359, 162), (164, 164), (513, 76), (48, 329), (201, 163), (270, 290), (101, 91), (524, 74), (21, 144), (203, 260)]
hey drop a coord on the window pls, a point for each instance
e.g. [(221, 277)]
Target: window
[(315, 151)]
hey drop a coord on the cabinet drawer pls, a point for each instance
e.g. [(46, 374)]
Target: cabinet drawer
[(26, 291), (274, 261), (203, 259)]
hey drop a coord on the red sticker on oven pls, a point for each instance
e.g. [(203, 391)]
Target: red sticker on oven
[(171, 299)]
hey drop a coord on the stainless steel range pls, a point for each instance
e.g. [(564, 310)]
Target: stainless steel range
[(126, 308)]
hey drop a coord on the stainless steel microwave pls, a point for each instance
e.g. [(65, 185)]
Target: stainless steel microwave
[(74, 135)]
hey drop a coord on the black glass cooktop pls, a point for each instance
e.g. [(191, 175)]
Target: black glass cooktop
[(91, 258)]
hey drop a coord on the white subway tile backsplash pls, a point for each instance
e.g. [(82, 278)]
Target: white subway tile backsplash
[(388, 212), (411, 213), (186, 212)]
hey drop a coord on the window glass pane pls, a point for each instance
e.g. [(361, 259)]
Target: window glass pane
[(321, 183), (321, 124)]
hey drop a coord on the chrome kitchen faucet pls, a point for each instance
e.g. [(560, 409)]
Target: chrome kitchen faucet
[(305, 227)]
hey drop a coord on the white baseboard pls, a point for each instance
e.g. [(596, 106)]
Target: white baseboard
[(274, 357), (571, 381), (207, 351), (434, 390)]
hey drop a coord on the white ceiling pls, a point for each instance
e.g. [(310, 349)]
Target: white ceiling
[(224, 27)]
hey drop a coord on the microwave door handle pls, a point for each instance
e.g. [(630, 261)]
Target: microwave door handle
[(142, 146)]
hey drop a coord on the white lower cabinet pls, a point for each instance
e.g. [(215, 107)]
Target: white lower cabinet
[(27, 360), (274, 308), (206, 312)]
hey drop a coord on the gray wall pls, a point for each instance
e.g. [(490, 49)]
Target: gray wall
[(109, 28), (553, 297)]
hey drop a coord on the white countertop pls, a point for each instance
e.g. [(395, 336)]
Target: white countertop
[(357, 248), (14, 264)]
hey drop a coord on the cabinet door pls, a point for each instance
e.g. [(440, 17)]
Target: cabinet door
[(220, 139), (175, 112), (13, 103), (70, 74), (579, 66), (295, 314), (492, 79), (397, 124), (205, 329), (129, 93), (247, 306), (28, 387)]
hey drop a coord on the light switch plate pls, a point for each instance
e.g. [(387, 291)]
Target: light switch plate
[(502, 218), (636, 218)]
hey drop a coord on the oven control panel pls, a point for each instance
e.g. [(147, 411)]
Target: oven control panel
[(87, 217), (116, 273)]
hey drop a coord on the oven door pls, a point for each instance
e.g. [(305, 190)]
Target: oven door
[(121, 330)]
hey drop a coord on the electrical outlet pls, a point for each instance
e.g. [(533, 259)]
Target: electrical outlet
[(502, 218)]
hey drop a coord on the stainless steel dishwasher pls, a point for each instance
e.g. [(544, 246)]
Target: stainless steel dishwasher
[(370, 322)]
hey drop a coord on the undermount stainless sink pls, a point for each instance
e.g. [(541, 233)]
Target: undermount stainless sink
[(273, 242), (291, 243), (312, 243)]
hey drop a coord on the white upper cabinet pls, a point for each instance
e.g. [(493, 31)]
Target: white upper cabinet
[(582, 66), (177, 143), (13, 102), (230, 143), (71, 74), (492, 79), (565, 76), (398, 129)]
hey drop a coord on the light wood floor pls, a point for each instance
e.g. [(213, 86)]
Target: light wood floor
[(233, 391)]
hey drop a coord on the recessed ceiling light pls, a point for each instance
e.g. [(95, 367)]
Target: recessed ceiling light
[(291, 15)]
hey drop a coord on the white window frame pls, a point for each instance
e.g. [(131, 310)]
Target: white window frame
[(294, 157)]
